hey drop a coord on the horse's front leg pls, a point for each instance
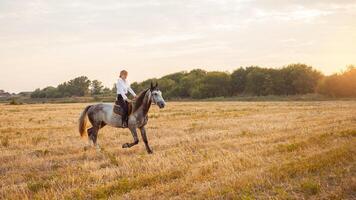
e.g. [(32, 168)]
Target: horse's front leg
[(134, 135), (144, 138)]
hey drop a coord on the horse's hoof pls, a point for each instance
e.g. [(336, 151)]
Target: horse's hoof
[(86, 148), (126, 145), (150, 152)]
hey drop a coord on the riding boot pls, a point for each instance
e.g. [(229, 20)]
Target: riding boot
[(123, 110), (125, 121)]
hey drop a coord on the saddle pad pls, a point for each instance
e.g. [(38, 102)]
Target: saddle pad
[(119, 111)]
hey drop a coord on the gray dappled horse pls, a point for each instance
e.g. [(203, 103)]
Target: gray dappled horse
[(102, 114)]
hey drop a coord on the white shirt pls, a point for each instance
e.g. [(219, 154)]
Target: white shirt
[(123, 87)]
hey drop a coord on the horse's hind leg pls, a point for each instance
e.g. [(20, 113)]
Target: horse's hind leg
[(134, 135), (90, 141), (93, 135), (93, 131)]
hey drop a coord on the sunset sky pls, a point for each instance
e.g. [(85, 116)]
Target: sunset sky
[(45, 43)]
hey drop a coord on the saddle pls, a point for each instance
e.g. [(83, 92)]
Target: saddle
[(119, 111)]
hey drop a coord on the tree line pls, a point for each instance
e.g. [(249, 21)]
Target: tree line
[(198, 84), (80, 86), (339, 85)]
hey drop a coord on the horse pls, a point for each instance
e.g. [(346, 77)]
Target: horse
[(102, 114)]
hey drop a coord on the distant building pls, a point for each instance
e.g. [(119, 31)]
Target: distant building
[(4, 94)]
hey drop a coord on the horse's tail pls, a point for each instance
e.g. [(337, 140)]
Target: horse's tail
[(83, 121)]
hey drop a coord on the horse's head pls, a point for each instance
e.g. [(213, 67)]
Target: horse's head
[(157, 96)]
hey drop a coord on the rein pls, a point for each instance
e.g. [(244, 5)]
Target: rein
[(140, 101)]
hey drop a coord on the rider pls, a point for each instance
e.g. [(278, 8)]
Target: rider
[(123, 86)]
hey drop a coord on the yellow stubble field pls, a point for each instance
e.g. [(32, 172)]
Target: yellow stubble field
[(202, 150)]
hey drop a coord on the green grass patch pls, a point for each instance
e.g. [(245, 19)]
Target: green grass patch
[(315, 163), (247, 134), (310, 187), (41, 152), (289, 147), (348, 133), (111, 156), (125, 185), (37, 139), (281, 193), (5, 142), (15, 102), (35, 186)]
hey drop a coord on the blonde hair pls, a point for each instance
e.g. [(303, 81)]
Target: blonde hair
[(123, 73)]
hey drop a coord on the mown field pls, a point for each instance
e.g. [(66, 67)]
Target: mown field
[(210, 150)]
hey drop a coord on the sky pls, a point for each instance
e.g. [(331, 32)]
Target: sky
[(44, 43)]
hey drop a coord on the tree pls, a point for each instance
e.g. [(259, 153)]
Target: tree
[(176, 77), (258, 82), (75, 87), (198, 83), (114, 88), (107, 92), (190, 83), (166, 85), (138, 87), (96, 87), (238, 81), (51, 92), (37, 93), (48, 92), (300, 79), (214, 84), (79, 86), (339, 85)]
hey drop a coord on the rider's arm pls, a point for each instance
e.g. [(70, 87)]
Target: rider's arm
[(131, 91)]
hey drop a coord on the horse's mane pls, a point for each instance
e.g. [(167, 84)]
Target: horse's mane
[(139, 100)]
